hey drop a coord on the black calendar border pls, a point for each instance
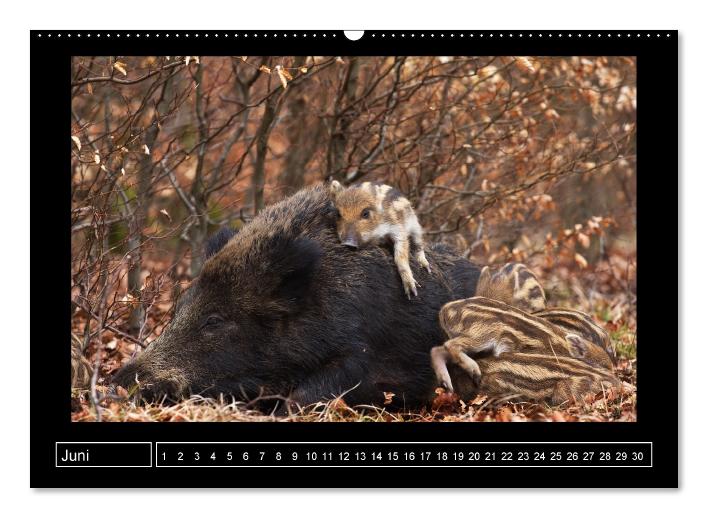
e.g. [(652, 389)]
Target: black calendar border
[(657, 115)]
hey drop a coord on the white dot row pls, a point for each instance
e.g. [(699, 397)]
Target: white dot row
[(497, 35), (184, 35), (381, 35)]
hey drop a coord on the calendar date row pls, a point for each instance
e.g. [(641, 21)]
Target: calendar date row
[(401, 454)]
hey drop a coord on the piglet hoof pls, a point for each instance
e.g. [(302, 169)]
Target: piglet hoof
[(477, 379), (410, 287), (425, 264)]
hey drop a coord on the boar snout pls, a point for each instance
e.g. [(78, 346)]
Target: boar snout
[(127, 376), (148, 381)]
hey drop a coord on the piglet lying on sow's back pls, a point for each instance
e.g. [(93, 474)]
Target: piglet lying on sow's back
[(283, 308)]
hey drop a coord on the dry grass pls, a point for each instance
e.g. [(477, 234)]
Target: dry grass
[(607, 406)]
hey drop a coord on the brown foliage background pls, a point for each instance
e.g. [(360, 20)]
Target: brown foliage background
[(505, 158)]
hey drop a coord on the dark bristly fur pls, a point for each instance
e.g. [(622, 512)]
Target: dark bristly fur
[(284, 309), (218, 241)]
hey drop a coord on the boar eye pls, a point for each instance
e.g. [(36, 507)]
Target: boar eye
[(337, 214), (365, 214), (212, 321)]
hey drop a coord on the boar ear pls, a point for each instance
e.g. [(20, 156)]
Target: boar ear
[(335, 187), (293, 266), (218, 241)]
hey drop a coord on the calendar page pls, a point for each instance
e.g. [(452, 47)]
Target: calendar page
[(405, 252)]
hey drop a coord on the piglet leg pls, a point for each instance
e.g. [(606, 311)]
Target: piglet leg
[(417, 239), (438, 360), (401, 251)]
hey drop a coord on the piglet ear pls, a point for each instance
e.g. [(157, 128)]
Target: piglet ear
[(485, 276), (292, 268), (578, 347), (335, 187)]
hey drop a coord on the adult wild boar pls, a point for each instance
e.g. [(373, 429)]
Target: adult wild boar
[(282, 308)]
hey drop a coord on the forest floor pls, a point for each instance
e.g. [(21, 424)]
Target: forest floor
[(613, 305)]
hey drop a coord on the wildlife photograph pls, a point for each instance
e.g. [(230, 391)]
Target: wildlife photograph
[(353, 239)]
